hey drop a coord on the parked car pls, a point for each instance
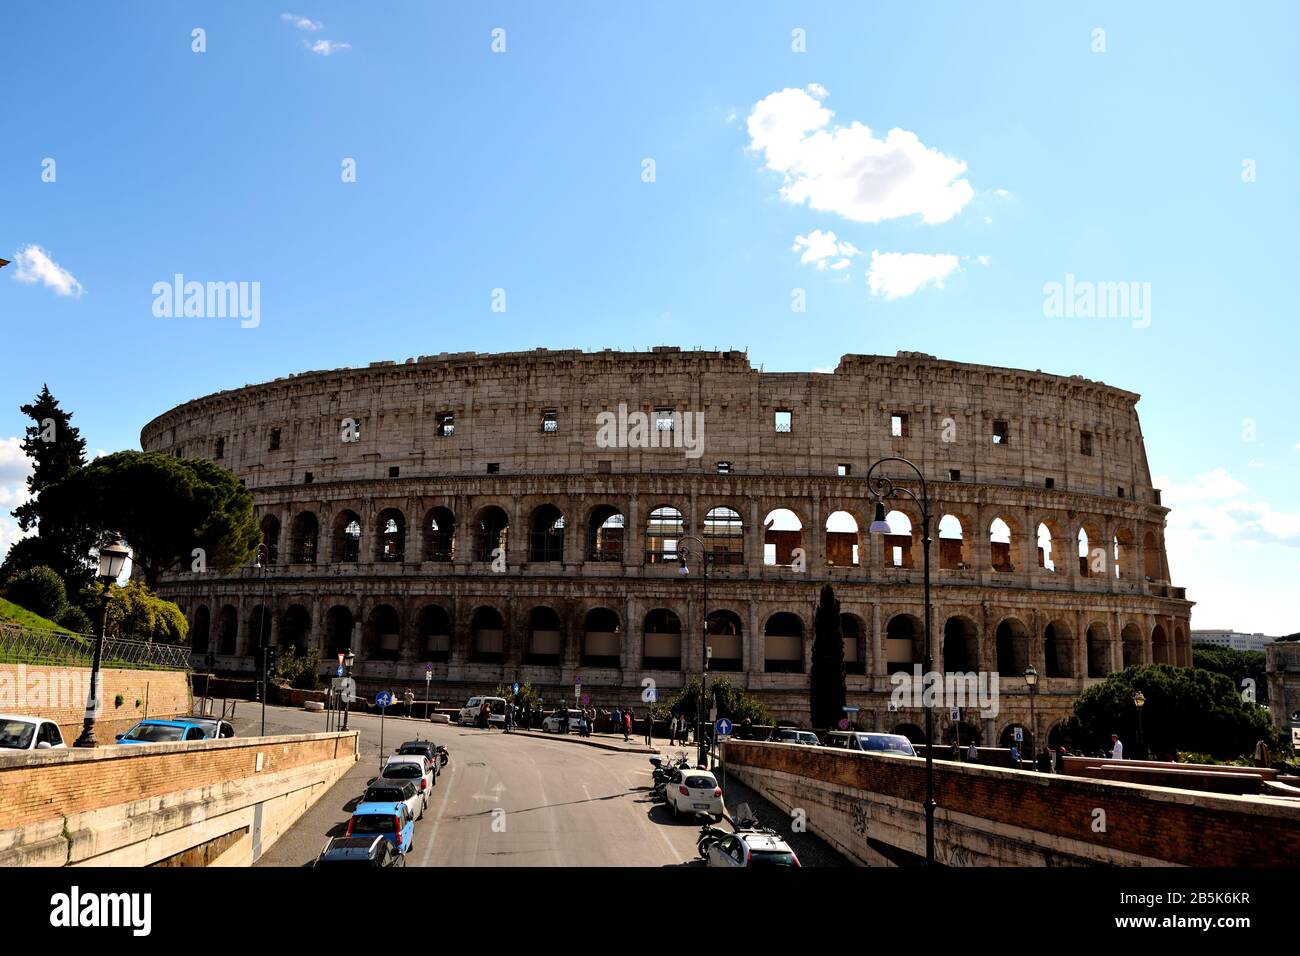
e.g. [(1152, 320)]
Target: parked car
[(411, 767), (496, 711), (693, 791), (871, 742), (422, 748), (394, 821), (19, 732), (392, 790), (371, 850), (551, 723), (789, 735), (162, 732), (752, 848), (214, 727)]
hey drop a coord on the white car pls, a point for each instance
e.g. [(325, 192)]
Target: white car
[(496, 711), (752, 848), (551, 725), (410, 767), (694, 791), (788, 735), (18, 732)]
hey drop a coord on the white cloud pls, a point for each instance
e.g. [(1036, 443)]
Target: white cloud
[(1208, 486), (1254, 464), (1002, 194), (35, 265), (846, 169), (15, 466), (326, 47), (824, 250), (301, 22), (898, 274)]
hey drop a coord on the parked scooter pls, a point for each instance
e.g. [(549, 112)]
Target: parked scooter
[(443, 755)]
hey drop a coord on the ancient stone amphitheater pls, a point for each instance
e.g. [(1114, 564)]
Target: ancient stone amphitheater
[(527, 516)]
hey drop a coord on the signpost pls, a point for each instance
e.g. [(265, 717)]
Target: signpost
[(428, 676), (1019, 736), (955, 716), (382, 700), (722, 729)]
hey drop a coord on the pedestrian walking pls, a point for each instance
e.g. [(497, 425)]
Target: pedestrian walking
[(627, 724), (1116, 747), (617, 720), (510, 717), (1262, 756), (973, 753), (649, 727), (408, 698)]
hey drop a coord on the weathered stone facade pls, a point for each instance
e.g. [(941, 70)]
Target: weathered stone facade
[(487, 543)]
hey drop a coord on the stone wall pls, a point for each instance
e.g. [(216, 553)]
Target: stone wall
[(59, 694)]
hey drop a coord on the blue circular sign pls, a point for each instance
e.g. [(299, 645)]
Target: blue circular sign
[(383, 699), (340, 670), (724, 727)]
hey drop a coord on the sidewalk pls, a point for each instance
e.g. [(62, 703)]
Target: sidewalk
[(634, 744)]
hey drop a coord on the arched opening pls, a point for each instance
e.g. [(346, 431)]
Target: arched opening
[(546, 539), (601, 638), (1131, 638), (842, 540), (228, 631), (295, 628), (969, 734), (897, 545), (782, 537), (912, 732), (1046, 556), (853, 630), (961, 645), (1000, 553), (544, 637), (1058, 650), (435, 633), (306, 529), (391, 543), (783, 644), (1161, 651), (662, 641), (440, 535), (1013, 648), (347, 537), (726, 640), (724, 537), (1098, 650), (493, 531), (663, 531), (904, 643), (271, 538), (201, 630), (1092, 552), (1151, 557), (951, 544), (338, 630), (1007, 739), (1124, 554), (605, 534), (1182, 650), (487, 636), (382, 638), (257, 628)]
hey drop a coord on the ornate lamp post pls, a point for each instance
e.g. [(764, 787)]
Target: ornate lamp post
[(112, 559), (348, 660), (882, 489), (1139, 701), (1031, 681), (684, 571)]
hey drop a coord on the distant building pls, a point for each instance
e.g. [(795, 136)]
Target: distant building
[(1236, 640)]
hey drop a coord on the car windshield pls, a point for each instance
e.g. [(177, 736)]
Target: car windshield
[(384, 795), (16, 734), (420, 749), (154, 733), (372, 823), (894, 744), (701, 783), (771, 858), (403, 771)]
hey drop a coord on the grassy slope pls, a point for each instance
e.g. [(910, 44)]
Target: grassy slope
[(20, 615)]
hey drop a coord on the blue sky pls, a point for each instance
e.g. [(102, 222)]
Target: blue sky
[(1024, 153)]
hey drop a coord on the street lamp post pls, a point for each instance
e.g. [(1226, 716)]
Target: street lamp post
[(1139, 701), (882, 489), (261, 552), (112, 558), (1031, 680), (704, 644), (348, 660)]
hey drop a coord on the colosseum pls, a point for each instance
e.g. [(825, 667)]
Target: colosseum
[(540, 516)]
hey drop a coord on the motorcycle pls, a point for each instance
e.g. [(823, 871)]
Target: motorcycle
[(443, 755), (665, 773), (709, 835)]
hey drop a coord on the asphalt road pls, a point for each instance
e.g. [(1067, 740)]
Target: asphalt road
[(503, 800)]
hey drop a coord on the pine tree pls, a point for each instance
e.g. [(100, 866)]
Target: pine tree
[(55, 447), (826, 684)]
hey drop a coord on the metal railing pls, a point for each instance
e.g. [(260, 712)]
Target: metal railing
[(28, 645)]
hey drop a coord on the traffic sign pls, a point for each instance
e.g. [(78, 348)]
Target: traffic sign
[(651, 695), (844, 723), (955, 713), (514, 688), (1018, 735), (428, 668), (339, 672), (724, 727), (383, 699)]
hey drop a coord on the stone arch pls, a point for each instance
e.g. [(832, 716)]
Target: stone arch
[(1124, 555), (295, 628), (1007, 739), (257, 628), (306, 531), (390, 536), (545, 645), (606, 534), (228, 630), (661, 640), (1151, 564), (602, 638), (492, 525), (1012, 639), (1132, 642), (1058, 649), (1046, 537), (970, 734), (961, 644), (904, 642), (487, 635), (434, 629), (201, 630), (347, 537), (843, 541), (911, 731), (854, 631), (381, 638), (952, 542), (727, 639), (1092, 550), (783, 643), (782, 537), (1004, 537), (1098, 637), (271, 537), (724, 536), (896, 547), (546, 534), (1162, 652), (440, 535), (338, 630), (663, 532)]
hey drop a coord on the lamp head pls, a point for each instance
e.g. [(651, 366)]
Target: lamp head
[(879, 525), (1139, 700), (1031, 675), (112, 559)]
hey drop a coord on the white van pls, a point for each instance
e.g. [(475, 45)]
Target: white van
[(496, 711)]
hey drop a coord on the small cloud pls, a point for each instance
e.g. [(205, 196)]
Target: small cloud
[(1002, 194), (326, 47), (898, 274), (824, 250), (983, 260), (35, 265), (301, 22), (1254, 464)]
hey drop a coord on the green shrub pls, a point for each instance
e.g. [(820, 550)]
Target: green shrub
[(40, 590), (76, 620)]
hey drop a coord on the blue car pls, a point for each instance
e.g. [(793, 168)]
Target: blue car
[(392, 820), (162, 732)]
